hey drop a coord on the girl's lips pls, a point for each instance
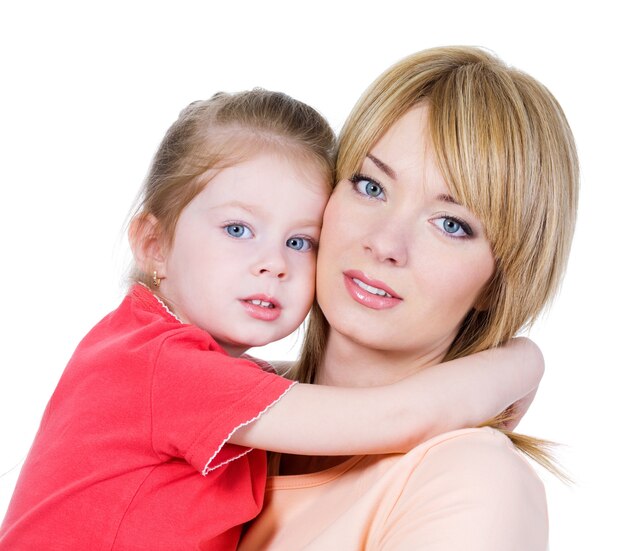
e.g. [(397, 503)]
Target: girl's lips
[(261, 307), (369, 292)]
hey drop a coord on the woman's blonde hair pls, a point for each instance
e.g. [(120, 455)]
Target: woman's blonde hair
[(506, 152), (222, 131)]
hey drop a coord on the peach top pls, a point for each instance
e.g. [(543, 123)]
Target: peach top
[(469, 489)]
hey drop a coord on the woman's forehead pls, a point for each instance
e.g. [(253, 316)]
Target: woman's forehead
[(406, 151)]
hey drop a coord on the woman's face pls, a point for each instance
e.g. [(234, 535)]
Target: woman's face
[(401, 263)]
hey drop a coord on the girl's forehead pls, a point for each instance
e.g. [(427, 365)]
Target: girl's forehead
[(266, 183)]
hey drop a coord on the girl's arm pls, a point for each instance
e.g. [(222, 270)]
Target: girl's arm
[(324, 420)]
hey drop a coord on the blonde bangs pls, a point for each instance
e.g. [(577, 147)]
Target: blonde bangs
[(379, 107), (507, 153)]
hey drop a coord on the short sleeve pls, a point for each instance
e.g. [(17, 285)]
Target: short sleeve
[(201, 396), (473, 492)]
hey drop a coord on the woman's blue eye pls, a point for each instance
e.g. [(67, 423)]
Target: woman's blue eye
[(368, 187), (453, 227), (238, 231), (299, 243)]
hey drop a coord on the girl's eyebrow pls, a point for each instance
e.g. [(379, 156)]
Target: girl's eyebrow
[(304, 222), (237, 204), (383, 166)]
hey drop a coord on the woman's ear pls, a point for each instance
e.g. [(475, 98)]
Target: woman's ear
[(482, 302), (147, 244), (485, 298)]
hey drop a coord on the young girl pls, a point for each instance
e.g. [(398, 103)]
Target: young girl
[(153, 437)]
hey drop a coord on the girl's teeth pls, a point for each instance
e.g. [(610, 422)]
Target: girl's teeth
[(370, 289), (262, 303)]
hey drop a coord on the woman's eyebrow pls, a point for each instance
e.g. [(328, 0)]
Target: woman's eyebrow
[(445, 198), (442, 197), (383, 166)]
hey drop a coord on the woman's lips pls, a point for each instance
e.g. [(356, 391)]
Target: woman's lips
[(261, 307), (370, 292)]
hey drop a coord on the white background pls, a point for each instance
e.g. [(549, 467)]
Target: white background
[(88, 89)]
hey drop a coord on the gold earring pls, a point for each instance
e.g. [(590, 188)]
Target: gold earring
[(156, 281)]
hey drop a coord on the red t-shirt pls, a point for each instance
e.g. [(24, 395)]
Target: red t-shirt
[(142, 411)]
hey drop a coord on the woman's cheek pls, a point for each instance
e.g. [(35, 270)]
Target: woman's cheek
[(335, 229), (466, 284), (449, 286), (333, 215)]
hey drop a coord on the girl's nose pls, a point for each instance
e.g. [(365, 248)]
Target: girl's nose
[(271, 263)]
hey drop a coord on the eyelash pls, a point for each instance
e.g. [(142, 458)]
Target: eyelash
[(312, 242), (358, 177), (469, 233), (237, 223)]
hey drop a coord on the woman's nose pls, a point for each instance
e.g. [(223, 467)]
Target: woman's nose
[(387, 241)]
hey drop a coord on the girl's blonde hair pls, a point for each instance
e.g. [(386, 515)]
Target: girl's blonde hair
[(222, 131), (506, 152)]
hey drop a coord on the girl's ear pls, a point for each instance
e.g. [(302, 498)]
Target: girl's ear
[(147, 244)]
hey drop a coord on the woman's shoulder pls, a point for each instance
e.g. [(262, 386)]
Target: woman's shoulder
[(480, 465), (479, 453), (484, 437), (477, 479)]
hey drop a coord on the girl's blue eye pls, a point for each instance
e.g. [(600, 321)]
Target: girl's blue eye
[(299, 243), (367, 187), (453, 227), (238, 231)]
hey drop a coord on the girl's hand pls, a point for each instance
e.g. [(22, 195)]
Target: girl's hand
[(511, 416), (531, 371)]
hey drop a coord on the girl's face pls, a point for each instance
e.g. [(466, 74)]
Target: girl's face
[(242, 262), (401, 262)]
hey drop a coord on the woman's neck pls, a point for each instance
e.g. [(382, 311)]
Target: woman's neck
[(349, 363)]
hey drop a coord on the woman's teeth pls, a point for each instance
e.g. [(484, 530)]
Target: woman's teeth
[(370, 289), (262, 303)]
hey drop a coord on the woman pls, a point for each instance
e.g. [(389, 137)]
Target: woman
[(448, 231)]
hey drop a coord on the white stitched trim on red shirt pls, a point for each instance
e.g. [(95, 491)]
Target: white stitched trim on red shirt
[(162, 304), (208, 469)]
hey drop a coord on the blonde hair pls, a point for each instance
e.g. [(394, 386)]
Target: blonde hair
[(506, 152), (222, 131)]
